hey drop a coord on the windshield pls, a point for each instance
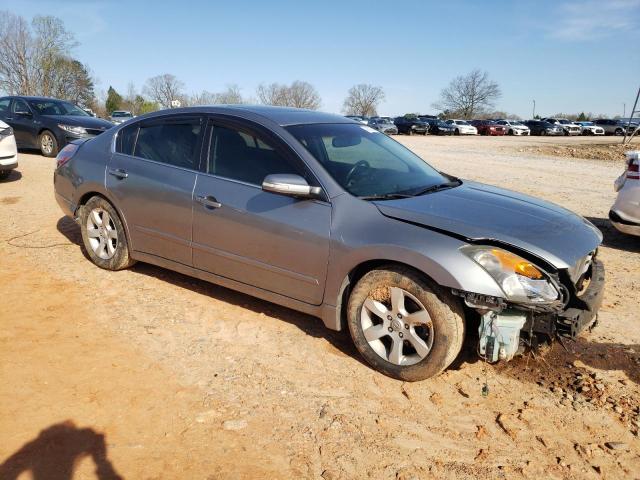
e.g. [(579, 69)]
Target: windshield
[(460, 122), (366, 162), (121, 114), (57, 107)]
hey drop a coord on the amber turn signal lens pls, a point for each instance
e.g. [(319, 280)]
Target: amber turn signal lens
[(519, 265)]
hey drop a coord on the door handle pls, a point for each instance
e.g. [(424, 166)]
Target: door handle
[(118, 173), (208, 201)]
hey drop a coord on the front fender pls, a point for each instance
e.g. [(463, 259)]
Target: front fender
[(374, 237)]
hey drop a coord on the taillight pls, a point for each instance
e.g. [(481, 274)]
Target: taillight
[(66, 154), (633, 164)]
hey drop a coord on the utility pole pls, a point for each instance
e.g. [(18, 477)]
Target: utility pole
[(633, 111), (624, 110), (534, 110)]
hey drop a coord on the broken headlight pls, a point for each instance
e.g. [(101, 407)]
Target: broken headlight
[(520, 280)]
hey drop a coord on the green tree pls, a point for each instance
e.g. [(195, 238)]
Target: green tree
[(114, 100), (582, 117)]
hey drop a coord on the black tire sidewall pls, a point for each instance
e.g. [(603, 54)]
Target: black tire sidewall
[(121, 259), (445, 312)]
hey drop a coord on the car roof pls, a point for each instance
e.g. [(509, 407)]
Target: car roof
[(283, 116), (29, 97)]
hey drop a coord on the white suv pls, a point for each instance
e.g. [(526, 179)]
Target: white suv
[(569, 127), (625, 213)]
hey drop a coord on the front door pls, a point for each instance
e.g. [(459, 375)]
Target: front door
[(151, 176), (274, 242), (25, 128)]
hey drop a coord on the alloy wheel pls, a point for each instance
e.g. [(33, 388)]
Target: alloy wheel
[(46, 143), (102, 233), (399, 328)]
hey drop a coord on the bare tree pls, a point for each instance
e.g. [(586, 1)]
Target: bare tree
[(469, 95), (163, 89), (273, 94), (231, 96), (363, 100), (37, 60), (299, 94)]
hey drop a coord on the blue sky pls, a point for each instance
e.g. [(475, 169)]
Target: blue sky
[(568, 55)]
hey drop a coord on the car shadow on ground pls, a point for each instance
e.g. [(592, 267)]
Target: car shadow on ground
[(308, 324), (612, 238), (56, 451), (14, 176)]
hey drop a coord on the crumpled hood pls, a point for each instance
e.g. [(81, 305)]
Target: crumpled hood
[(81, 121), (481, 212)]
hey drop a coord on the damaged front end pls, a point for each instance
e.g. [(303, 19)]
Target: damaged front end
[(538, 306)]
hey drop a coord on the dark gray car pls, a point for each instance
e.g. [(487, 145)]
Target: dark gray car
[(332, 218)]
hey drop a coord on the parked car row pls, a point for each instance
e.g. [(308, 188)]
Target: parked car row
[(423, 124)]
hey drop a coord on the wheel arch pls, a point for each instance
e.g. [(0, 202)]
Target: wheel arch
[(359, 271), (84, 198)]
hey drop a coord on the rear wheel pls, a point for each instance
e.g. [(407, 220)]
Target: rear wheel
[(457, 132), (403, 325), (48, 144), (510, 131), (103, 235), (543, 132), (619, 131)]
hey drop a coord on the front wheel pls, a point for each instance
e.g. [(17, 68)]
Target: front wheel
[(457, 132), (48, 144), (103, 235), (403, 325), (619, 131)]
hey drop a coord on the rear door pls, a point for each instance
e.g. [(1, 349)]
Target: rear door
[(152, 176), (274, 242)]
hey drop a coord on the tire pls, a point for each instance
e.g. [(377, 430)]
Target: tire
[(457, 132), (409, 132), (510, 131), (543, 132), (97, 239), (619, 131), (438, 321), (48, 144)]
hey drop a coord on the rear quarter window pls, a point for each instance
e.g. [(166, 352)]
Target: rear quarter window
[(126, 140)]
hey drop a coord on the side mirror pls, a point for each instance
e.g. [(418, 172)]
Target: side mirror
[(290, 185)]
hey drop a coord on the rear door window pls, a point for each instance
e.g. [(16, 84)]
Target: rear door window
[(173, 141)]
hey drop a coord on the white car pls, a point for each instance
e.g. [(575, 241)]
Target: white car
[(8, 151), (590, 128), (120, 116), (625, 213), (514, 127), (462, 127)]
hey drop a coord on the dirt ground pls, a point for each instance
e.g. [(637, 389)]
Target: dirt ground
[(148, 374)]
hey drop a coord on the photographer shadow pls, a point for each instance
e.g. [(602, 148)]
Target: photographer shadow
[(56, 451)]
